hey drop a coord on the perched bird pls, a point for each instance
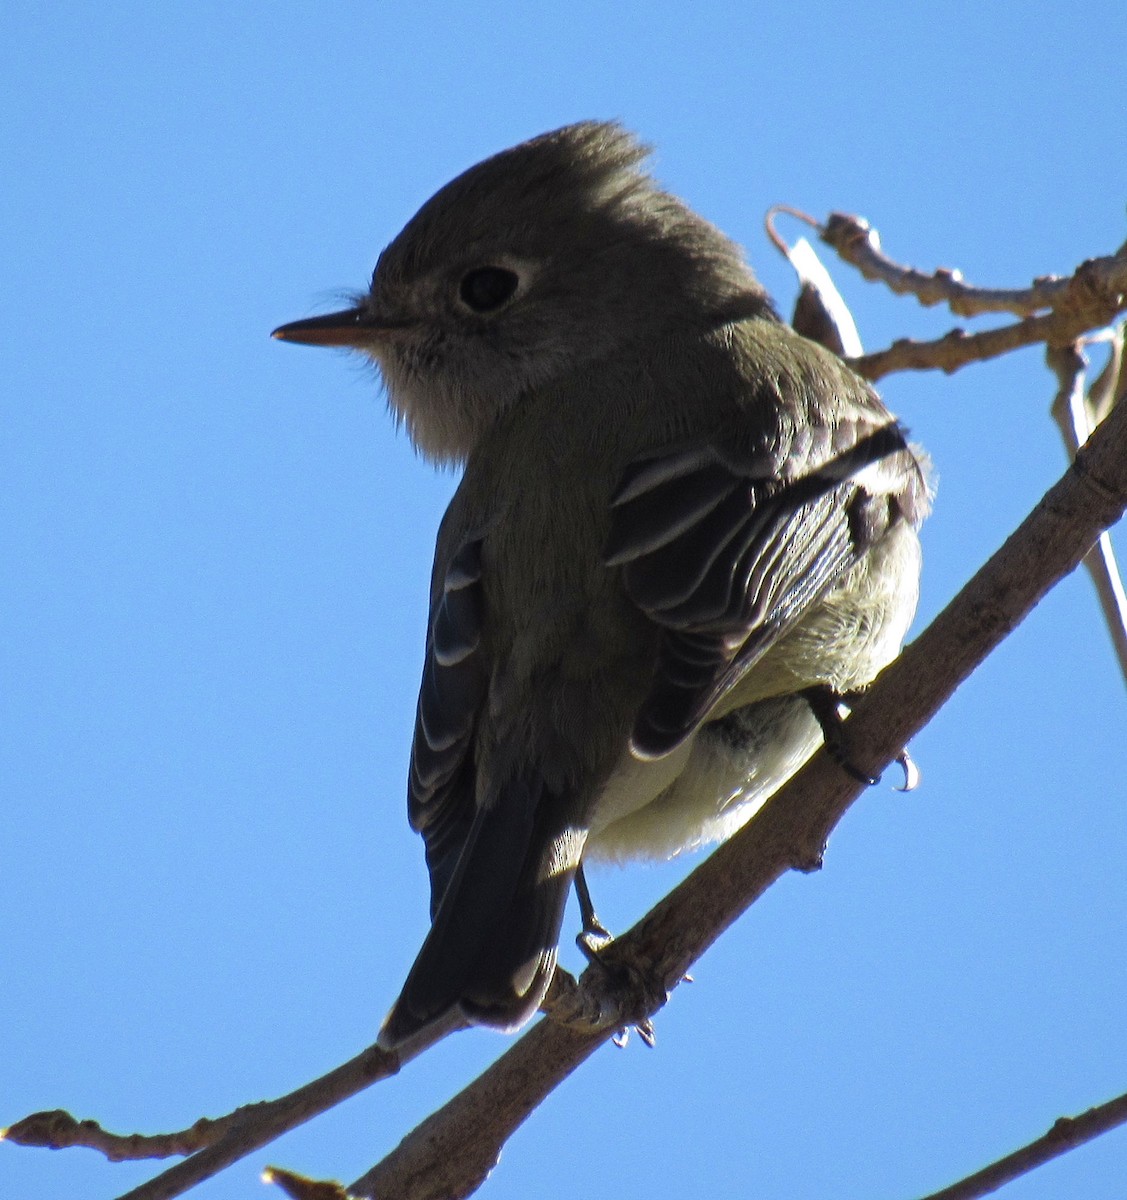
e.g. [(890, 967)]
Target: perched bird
[(678, 522)]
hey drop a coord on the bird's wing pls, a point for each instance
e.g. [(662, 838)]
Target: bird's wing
[(501, 868), (726, 556), (441, 784)]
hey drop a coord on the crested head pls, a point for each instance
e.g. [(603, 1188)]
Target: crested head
[(540, 260), (527, 190)]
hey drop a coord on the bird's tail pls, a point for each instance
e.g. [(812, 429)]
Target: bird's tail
[(491, 949)]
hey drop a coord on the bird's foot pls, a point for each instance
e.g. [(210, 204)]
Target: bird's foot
[(611, 985), (613, 993), (593, 939), (830, 708)]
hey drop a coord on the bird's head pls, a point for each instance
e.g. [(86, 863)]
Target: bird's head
[(539, 261)]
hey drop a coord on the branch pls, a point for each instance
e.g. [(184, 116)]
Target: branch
[(1076, 415), (1092, 296), (56, 1129), (1066, 1134), (213, 1143), (858, 244), (450, 1153), (957, 348)]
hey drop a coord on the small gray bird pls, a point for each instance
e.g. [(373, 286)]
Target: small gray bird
[(678, 522)]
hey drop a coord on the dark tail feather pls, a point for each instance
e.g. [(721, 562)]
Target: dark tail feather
[(491, 950)]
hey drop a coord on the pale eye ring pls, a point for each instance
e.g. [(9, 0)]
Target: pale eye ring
[(486, 289)]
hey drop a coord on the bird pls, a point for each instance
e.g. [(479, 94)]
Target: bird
[(680, 527)]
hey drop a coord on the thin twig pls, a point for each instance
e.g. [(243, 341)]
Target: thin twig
[(1076, 414), (958, 348), (56, 1129), (1104, 570), (1110, 386), (1066, 1134), (264, 1122), (953, 350), (224, 1140), (1092, 296), (858, 243)]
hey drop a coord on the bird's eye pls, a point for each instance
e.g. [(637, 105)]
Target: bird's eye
[(486, 288)]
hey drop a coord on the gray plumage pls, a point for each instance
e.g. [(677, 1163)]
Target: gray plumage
[(675, 515)]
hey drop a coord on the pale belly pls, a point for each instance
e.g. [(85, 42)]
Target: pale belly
[(706, 789)]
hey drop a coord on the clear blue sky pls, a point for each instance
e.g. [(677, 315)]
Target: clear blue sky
[(216, 548)]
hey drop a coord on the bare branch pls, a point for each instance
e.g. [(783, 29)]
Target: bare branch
[(1066, 1134), (216, 1143), (451, 1152), (957, 348), (58, 1130), (858, 244), (1076, 414), (1104, 569), (1092, 296), (1110, 385)]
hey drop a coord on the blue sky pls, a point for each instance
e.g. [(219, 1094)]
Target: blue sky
[(216, 552)]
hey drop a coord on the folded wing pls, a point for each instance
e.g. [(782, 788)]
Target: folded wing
[(727, 556)]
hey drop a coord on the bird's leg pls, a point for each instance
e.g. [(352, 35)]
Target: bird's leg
[(830, 708), (829, 711), (592, 941), (594, 935), (827, 707)]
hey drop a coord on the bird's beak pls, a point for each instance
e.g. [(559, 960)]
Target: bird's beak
[(353, 327)]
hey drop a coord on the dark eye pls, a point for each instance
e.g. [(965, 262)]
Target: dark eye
[(485, 288)]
